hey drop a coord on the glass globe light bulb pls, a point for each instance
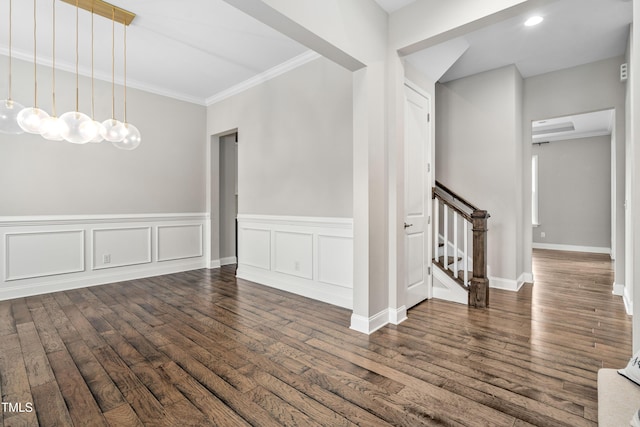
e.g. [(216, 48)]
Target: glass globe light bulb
[(131, 140), (101, 130), (79, 127), (9, 110), (53, 128), (30, 119), (114, 130)]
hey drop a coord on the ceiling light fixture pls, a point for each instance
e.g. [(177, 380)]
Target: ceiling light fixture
[(73, 126), (30, 118), (534, 20), (9, 109)]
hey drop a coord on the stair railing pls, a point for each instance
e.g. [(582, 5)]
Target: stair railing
[(460, 216)]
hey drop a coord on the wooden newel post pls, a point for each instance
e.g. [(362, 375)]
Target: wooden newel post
[(479, 287)]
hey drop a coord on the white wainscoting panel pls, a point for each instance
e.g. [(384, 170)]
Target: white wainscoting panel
[(294, 254), (179, 242), (308, 256), (332, 251), (42, 254), (119, 247), (255, 247)]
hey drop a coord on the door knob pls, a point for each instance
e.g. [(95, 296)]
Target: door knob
[(407, 225)]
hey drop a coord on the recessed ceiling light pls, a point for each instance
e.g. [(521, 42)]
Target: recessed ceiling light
[(534, 20)]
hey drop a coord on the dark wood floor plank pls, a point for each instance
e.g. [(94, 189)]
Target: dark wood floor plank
[(14, 382), (204, 348), (35, 360), (83, 408), (50, 406)]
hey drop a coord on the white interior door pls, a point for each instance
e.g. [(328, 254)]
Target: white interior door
[(417, 197)]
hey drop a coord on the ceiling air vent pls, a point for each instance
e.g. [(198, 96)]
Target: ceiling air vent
[(553, 128)]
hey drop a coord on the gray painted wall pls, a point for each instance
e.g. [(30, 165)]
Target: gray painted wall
[(295, 155), (586, 88), (574, 179), (166, 174), (228, 180), (477, 136)]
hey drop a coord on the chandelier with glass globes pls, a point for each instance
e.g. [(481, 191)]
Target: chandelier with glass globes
[(73, 126)]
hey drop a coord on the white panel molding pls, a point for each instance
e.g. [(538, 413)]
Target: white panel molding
[(572, 248), (371, 324), (129, 259), (255, 247), (331, 251), (57, 264), (293, 253), (308, 256), (62, 254), (180, 242)]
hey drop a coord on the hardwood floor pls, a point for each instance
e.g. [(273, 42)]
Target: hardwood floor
[(200, 348)]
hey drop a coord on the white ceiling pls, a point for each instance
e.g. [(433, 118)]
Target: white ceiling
[(190, 50), (574, 32), (197, 49), (392, 5)]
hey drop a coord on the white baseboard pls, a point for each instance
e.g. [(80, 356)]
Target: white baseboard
[(217, 263), (336, 295), (506, 284), (618, 289), (371, 324), (397, 315), (228, 260), (628, 301), (572, 248), (63, 284), (525, 278)]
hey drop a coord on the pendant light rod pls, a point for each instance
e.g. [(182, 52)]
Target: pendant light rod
[(10, 55), (125, 73), (53, 60), (93, 113), (77, 61), (105, 9), (35, 50), (113, 66)]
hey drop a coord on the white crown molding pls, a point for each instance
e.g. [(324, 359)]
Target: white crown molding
[(86, 72), (289, 65)]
